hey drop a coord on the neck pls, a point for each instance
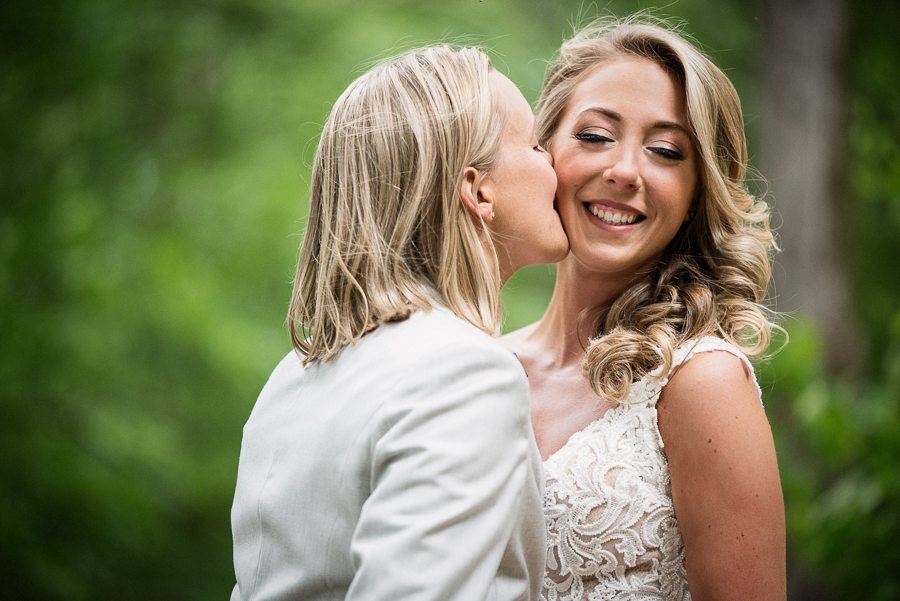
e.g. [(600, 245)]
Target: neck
[(497, 260), (576, 291)]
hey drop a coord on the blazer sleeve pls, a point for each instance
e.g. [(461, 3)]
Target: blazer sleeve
[(456, 485)]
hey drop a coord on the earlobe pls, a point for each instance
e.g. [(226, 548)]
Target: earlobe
[(695, 202), (475, 197), (691, 211)]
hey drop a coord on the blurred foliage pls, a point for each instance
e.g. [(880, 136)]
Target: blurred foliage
[(838, 442), (839, 436), (874, 170), (154, 158)]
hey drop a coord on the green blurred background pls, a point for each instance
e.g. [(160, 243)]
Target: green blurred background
[(154, 160)]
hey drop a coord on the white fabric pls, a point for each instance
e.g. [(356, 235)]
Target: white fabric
[(608, 503), (404, 469)]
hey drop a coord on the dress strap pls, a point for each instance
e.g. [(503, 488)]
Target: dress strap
[(651, 385), (706, 344)]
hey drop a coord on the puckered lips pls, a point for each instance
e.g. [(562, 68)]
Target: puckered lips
[(612, 215)]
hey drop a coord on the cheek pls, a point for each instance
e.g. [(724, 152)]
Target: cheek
[(689, 192), (568, 213), (563, 181), (678, 191), (537, 176), (691, 181), (570, 171), (548, 175)]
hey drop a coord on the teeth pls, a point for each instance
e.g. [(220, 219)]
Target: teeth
[(612, 218)]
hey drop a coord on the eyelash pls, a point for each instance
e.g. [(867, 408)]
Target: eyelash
[(592, 138), (666, 153)]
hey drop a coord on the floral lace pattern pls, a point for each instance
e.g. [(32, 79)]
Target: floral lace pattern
[(608, 503)]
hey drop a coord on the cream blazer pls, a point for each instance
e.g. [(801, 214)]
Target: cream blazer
[(403, 469)]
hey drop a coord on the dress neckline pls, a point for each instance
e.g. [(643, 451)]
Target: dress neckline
[(607, 416), (650, 386)]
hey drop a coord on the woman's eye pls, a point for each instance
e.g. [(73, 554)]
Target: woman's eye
[(667, 153), (592, 138), (539, 148)]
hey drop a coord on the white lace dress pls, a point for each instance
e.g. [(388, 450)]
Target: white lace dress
[(608, 503)]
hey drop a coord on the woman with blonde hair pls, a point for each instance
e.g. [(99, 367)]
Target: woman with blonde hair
[(391, 455), (662, 481)]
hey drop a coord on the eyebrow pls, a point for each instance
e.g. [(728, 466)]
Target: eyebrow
[(618, 118)]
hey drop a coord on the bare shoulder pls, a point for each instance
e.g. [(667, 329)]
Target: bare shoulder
[(714, 365), (710, 415), (708, 381), (726, 490)]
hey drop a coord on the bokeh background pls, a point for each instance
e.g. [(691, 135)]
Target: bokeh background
[(154, 161)]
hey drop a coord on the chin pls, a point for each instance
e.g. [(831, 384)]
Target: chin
[(562, 253)]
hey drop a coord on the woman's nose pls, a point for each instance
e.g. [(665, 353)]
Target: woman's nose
[(624, 169), (549, 156)]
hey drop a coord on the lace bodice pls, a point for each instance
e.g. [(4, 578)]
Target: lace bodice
[(608, 503)]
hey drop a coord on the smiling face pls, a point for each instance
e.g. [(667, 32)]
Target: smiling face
[(626, 166), (526, 229)]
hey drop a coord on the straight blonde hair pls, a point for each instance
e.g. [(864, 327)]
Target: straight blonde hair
[(388, 233), (712, 277)]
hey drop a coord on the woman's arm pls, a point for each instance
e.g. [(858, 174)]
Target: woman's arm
[(725, 485)]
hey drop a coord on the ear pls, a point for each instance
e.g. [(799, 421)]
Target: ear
[(475, 195)]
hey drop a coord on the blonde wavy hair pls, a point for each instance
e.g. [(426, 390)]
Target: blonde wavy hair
[(388, 233), (712, 277)]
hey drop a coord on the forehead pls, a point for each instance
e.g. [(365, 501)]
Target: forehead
[(511, 101), (631, 86)]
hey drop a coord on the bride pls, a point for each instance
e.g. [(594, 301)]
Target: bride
[(661, 476)]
